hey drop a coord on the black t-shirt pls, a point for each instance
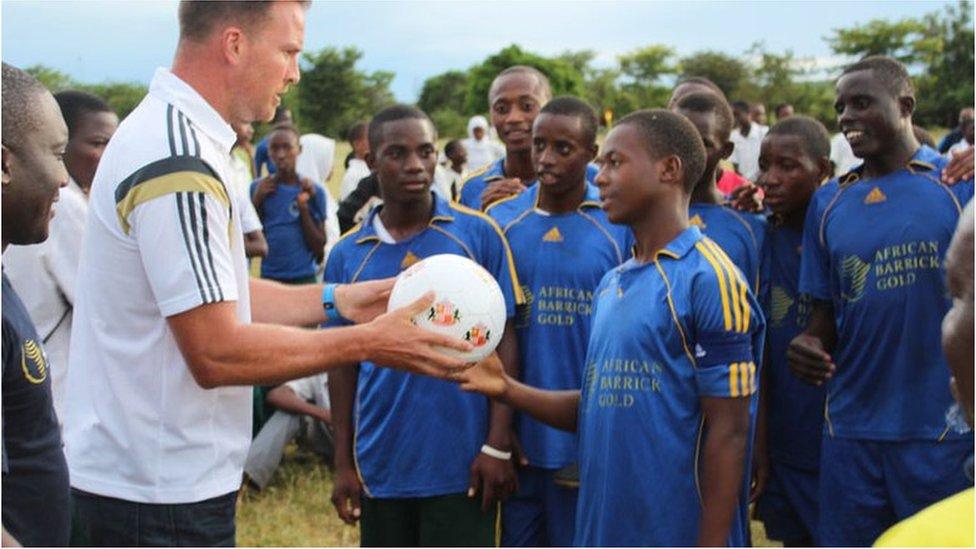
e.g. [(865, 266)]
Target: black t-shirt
[(35, 473)]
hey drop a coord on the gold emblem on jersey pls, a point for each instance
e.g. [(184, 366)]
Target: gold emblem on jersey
[(875, 196), (408, 260), (780, 305), (33, 363), (696, 220), (553, 235), (854, 276)]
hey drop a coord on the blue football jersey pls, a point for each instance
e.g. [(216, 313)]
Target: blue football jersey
[(665, 334), (559, 259), (795, 408), (740, 235), (288, 255), (471, 188), (416, 436), (875, 248)]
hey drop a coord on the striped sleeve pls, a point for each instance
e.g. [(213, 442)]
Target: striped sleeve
[(726, 317), (178, 213)]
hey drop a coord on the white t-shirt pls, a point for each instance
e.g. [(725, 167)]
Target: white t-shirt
[(841, 155), (162, 238), (958, 148), (44, 276), (746, 152), (315, 162), (241, 176), (357, 170)]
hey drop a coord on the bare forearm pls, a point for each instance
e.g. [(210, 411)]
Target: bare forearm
[(342, 391), (284, 398), (727, 430), (263, 354), (276, 303), (255, 245), (313, 232), (556, 408)]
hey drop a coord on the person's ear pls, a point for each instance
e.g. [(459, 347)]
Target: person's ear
[(671, 170), (6, 158), (906, 105), (370, 161), (233, 44), (825, 168), (594, 150)]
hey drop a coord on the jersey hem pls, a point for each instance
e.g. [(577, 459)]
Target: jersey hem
[(155, 495), (415, 492)]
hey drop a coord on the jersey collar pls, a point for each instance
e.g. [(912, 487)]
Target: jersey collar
[(591, 199), (925, 159), (682, 244), (442, 214), (169, 88)]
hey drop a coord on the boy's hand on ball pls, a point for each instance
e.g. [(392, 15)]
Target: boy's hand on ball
[(395, 341), (486, 377)]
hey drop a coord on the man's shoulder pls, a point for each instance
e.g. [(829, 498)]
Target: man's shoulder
[(508, 209)]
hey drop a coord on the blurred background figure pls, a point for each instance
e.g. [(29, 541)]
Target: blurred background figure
[(263, 165), (315, 162), (955, 135), (44, 274), (356, 167), (242, 167), (481, 149)]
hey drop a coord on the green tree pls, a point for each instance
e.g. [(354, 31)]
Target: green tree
[(729, 73), (564, 78), (879, 37), (53, 79), (444, 91), (121, 96), (333, 94)]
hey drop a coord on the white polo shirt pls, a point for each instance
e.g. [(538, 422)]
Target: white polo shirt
[(163, 237), (746, 151)]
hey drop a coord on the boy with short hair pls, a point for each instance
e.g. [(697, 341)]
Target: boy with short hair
[(292, 210), (666, 393), (793, 162), (515, 97), (414, 445), (563, 245), (874, 242)]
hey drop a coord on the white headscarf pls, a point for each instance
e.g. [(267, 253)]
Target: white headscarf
[(480, 151), (315, 162)]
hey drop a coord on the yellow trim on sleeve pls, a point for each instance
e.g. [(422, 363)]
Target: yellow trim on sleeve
[(517, 287), (176, 182), (726, 312), (734, 282), (734, 379)]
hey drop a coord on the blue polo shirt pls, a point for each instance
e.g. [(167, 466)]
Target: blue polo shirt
[(875, 248), (559, 259), (795, 418), (416, 436), (665, 334), (742, 236), (289, 257), (476, 183)]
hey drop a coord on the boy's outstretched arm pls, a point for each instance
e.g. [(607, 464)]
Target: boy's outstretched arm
[(556, 408)]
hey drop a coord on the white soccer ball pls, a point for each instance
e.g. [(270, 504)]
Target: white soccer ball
[(468, 305)]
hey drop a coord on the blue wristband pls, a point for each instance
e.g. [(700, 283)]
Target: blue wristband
[(329, 304)]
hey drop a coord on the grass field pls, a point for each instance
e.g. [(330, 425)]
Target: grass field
[(295, 511)]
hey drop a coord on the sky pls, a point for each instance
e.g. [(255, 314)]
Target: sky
[(99, 40)]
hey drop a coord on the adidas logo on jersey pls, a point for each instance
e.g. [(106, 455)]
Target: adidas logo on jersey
[(408, 261), (875, 196), (696, 220), (553, 235)]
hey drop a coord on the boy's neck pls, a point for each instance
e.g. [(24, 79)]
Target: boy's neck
[(405, 219), (795, 219), (286, 176), (706, 191), (659, 227), (894, 158), (745, 128), (559, 203), (519, 164)]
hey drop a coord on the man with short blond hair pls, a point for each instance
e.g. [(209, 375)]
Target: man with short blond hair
[(163, 352)]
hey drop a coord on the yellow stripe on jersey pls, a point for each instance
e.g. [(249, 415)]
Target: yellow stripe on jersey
[(734, 379), (176, 182), (734, 282), (726, 313)]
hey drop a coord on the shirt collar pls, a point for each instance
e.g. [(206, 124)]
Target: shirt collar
[(442, 213), (925, 159), (171, 89), (591, 199), (682, 244)]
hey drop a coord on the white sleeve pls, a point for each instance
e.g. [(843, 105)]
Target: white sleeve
[(250, 221), (183, 238), (63, 252)]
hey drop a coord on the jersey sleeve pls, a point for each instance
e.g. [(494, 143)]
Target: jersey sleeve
[(250, 221), (184, 241), (496, 257), (470, 194), (726, 317), (814, 258)]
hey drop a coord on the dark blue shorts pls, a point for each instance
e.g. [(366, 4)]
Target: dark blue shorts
[(109, 522), (788, 507), (541, 514), (867, 485)]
